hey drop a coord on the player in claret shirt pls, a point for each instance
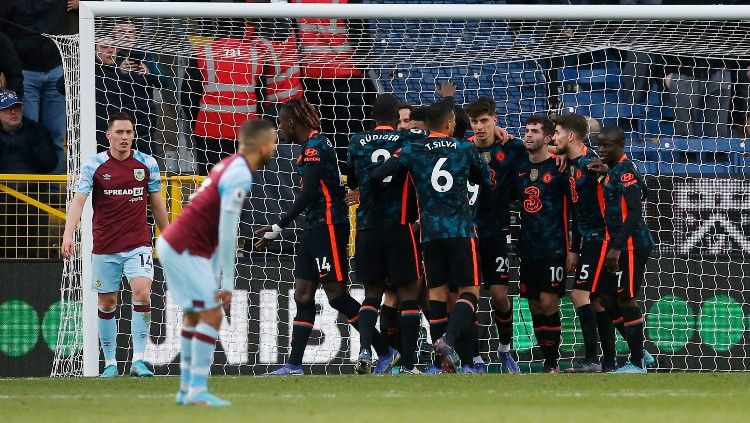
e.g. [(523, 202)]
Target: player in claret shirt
[(198, 250), (441, 167), (386, 249), (629, 244), (121, 182), (322, 254), (543, 242)]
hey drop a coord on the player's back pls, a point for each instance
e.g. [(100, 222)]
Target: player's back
[(197, 228), (367, 150), (441, 166)]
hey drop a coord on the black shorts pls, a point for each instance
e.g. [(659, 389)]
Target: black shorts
[(590, 270), (493, 252), (387, 254), (452, 261), (322, 254), (627, 282), (537, 276)]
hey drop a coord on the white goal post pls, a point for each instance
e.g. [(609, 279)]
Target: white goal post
[(713, 32)]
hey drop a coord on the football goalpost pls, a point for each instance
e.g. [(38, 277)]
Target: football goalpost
[(675, 78)]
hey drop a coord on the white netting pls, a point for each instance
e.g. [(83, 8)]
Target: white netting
[(679, 89)]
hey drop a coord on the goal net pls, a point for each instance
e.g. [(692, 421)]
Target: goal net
[(679, 87)]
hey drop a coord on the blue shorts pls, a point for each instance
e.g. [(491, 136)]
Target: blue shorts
[(191, 280), (108, 269)]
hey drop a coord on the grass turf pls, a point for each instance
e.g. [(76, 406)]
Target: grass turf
[(681, 397)]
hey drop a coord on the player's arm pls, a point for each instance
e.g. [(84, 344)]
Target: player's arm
[(397, 162), (159, 209), (351, 197), (75, 210), (310, 181), (84, 187), (232, 197), (574, 249), (631, 195), (479, 173)]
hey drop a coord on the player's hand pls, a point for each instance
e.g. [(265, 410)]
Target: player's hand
[(415, 228), (502, 134), (571, 262), (68, 247), (446, 89), (612, 262), (266, 234), (562, 162), (598, 166), (352, 197), (225, 299)]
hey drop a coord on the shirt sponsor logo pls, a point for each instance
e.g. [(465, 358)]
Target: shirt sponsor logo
[(139, 174), (135, 192)]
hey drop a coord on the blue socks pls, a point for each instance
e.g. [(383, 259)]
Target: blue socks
[(140, 329), (203, 345), (108, 335)]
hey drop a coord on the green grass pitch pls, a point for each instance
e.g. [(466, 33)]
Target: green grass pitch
[(657, 398)]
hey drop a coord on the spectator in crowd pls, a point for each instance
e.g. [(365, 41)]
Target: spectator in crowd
[(701, 106), (11, 77), (333, 82), (25, 146), (24, 21), (124, 84), (222, 86)]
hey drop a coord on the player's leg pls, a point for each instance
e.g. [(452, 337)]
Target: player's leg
[(389, 318), (370, 272), (495, 274), (305, 284), (632, 267), (403, 271), (191, 284), (464, 272), (606, 331), (549, 303), (107, 272), (139, 270)]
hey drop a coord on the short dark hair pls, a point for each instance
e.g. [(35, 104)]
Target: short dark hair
[(404, 106), (251, 128), (462, 122), (418, 113), (548, 127), (437, 114), (114, 117), (612, 133), (575, 123), (481, 106), (385, 108)]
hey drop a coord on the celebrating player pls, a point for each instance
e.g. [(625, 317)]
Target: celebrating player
[(199, 247), (404, 115), (120, 179), (588, 207), (321, 257), (441, 166), (493, 224), (543, 244), (629, 245), (386, 249)]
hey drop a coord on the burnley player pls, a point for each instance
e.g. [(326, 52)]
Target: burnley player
[(322, 254), (121, 182), (543, 245), (589, 244), (493, 223), (441, 166), (629, 245), (386, 250), (198, 250)]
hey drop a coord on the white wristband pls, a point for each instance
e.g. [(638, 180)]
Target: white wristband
[(273, 233)]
